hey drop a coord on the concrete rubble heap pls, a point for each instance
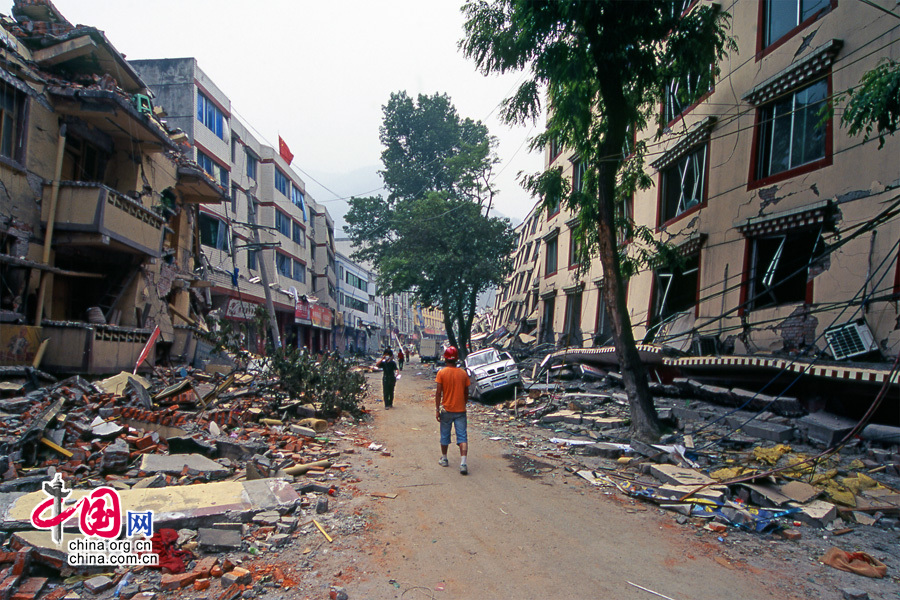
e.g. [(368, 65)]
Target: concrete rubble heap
[(239, 475), (723, 467)]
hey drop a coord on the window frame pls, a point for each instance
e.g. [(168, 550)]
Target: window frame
[(670, 120), (16, 119), (222, 237), (663, 218), (223, 177), (554, 243), (252, 168), (282, 181), (655, 315), (750, 296), (207, 107), (762, 48), (754, 179), (282, 218)]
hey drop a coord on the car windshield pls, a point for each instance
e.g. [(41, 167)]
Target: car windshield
[(483, 358)]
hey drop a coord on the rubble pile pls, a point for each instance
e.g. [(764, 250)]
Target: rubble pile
[(233, 474), (721, 466)]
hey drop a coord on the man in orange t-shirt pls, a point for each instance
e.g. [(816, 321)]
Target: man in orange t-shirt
[(450, 399)]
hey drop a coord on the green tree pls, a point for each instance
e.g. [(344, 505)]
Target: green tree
[(875, 103), (604, 66), (432, 235), (429, 148), (442, 250)]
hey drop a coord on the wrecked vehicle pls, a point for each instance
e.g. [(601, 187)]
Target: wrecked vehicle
[(490, 371)]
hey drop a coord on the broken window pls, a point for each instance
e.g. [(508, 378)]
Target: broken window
[(572, 325), (684, 184), (791, 132), (550, 265), (11, 109), (83, 161), (780, 267), (212, 168), (283, 265), (547, 321), (675, 289), (213, 232), (781, 16), (682, 92), (211, 115), (298, 198)]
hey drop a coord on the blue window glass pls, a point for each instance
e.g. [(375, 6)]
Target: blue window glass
[(281, 183), (210, 115), (299, 200), (299, 272), (283, 265), (283, 223), (252, 163)]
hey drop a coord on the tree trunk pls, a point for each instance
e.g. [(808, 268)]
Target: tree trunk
[(448, 321), (644, 420)]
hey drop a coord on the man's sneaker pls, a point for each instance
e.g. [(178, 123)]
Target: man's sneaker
[(443, 462), (463, 470)]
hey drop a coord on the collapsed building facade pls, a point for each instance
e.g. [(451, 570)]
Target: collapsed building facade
[(97, 203), (132, 199), (786, 224)]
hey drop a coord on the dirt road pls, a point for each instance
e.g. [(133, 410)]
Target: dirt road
[(517, 528)]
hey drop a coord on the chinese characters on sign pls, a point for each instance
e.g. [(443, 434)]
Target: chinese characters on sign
[(100, 522)]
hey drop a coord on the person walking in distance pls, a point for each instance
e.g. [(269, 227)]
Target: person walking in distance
[(450, 399), (389, 376), (400, 357)]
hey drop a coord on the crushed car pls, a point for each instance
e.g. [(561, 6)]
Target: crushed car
[(490, 371)]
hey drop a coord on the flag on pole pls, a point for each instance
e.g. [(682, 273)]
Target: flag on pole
[(150, 343), (284, 151)]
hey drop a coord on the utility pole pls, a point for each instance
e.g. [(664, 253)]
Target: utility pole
[(264, 274)]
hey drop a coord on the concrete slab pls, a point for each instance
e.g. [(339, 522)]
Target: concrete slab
[(714, 493), (766, 430), (179, 506), (817, 513), (799, 491), (219, 540), (825, 428), (679, 476), (569, 417), (173, 464)]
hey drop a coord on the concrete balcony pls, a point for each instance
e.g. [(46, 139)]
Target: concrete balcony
[(91, 214)]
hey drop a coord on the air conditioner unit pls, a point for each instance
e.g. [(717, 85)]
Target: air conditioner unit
[(850, 339)]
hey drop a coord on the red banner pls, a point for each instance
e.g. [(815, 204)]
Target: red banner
[(150, 344)]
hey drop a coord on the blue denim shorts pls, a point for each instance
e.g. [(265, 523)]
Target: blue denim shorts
[(448, 419)]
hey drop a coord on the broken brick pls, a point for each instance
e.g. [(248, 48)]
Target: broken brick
[(175, 582), (201, 584), (205, 565)]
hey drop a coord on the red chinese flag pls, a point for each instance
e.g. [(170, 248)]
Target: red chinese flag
[(284, 151)]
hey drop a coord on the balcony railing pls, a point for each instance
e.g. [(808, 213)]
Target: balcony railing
[(94, 215)]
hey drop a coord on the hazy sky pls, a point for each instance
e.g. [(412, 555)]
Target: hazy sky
[(318, 73)]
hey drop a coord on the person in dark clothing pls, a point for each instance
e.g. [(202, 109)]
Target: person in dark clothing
[(400, 357), (389, 376)]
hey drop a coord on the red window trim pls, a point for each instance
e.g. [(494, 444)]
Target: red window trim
[(746, 279), (762, 52), (823, 162), (690, 211), (650, 313), (897, 275)]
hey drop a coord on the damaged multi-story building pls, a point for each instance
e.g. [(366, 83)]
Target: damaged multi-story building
[(97, 203), (786, 224), (271, 237)]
